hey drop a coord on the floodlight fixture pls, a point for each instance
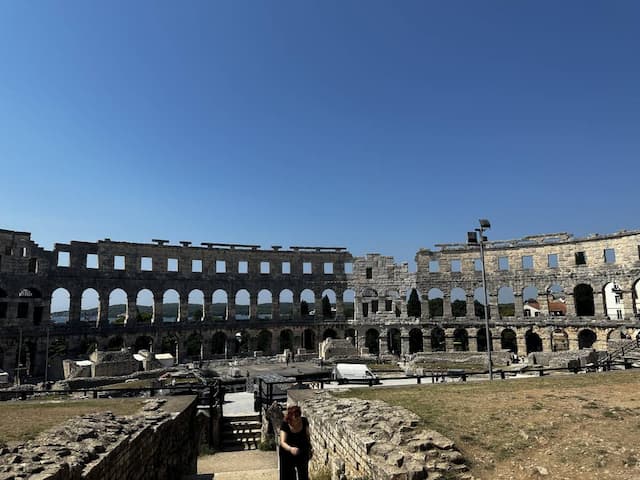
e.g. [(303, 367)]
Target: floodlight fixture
[(484, 223)]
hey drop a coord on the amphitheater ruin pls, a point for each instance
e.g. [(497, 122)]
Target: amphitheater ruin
[(546, 293)]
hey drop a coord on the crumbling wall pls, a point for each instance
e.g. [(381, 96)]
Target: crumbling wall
[(156, 444), (370, 439)]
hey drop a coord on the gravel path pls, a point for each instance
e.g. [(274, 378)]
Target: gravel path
[(247, 464)]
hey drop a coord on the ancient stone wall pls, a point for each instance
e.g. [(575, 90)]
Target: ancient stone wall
[(161, 443), (370, 439)]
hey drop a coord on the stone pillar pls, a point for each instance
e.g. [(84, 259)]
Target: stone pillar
[(103, 309), (424, 307), (404, 343), (521, 342), (426, 340), (253, 307), (449, 339), (275, 342), (339, 308), (493, 305), (471, 310), (446, 306), (598, 304), (275, 307), (231, 308), (132, 310), (496, 341), (383, 345), (627, 304), (157, 309), (183, 314), (207, 308), (543, 301), (75, 306), (295, 313), (571, 305), (519, 305), (473, 339)]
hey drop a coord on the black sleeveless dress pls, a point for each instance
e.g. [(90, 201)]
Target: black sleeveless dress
[(289, 463)]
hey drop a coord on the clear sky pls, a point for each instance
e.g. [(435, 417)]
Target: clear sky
[(378, 126)]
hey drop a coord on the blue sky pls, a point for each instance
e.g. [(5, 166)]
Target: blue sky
[(379, 126)]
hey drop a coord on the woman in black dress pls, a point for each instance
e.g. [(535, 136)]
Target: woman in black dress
[(295, 446)]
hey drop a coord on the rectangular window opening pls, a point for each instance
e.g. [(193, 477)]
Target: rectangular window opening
[(581, 258), (221, 266), (23, 252), (92, 260), (265, 268), (527, 262), (172, 264), (552, 260), (146, 264), (456, 266), (243, 266), (609, 255), (348, 267), (369, 272), (306, 268), (328, 268), (64, 259), (286, 268), (434, 266), (388, 305), (118, 262), (503, 263), (477, 265), (196, 266)]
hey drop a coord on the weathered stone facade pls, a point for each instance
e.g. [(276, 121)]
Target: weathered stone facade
[(545, 293), (158, 443)]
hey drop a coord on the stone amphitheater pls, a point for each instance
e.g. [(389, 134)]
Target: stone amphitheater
[(546, 293)]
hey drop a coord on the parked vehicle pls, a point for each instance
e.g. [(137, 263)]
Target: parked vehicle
[(353, 373)]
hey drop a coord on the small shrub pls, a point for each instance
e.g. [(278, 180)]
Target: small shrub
[(268, 445)]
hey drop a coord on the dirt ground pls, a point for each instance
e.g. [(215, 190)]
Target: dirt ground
[(569, 427)]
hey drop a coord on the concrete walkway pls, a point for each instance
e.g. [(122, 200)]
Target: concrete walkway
[(241, 465)]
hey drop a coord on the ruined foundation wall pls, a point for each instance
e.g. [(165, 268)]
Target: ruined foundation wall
[(371, 439), (159, 444)]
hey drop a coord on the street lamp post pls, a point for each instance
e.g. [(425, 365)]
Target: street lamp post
[(477, 238)]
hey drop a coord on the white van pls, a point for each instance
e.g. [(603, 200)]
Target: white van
[(353, 373)]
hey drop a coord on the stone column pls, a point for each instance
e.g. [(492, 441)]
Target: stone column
[(446, 306), (295, 313), (275, 307), (253, 307), (275, 342), (383, 345), (157, 309), (339, 307), (207, 308), (449, 339), (404, 342), (473, 339), (493, 306), (75, 306), (543, 300), (183, 314), (426, 340), (471, 310), (132, 310), (598, 304), (571, 305), (231, 308), (627, 303), (424, 307), (519, 305), (496, 341), (103, 309)]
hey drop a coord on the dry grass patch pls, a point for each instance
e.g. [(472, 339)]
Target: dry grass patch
[(21, 421), (563, 427)]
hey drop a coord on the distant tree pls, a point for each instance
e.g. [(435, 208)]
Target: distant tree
[(197, 315), (304, 308), (143, 317), (507, 309), (436, 307), (413, 305), (326, 307), (459, 308)]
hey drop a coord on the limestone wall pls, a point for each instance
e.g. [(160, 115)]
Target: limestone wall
[(159, 443), (358, 439)]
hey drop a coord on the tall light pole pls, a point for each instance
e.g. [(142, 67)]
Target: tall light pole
[(477, 238)]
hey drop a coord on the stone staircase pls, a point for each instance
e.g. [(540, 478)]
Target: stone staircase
[(241, 432), (627, 352)]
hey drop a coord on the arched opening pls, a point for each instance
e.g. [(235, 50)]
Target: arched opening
[(506, 302), (27, 359), (240, 343), (481, 338), (89, 306), (143, 343), (348, 299), (586, 338), (115, 343), (636, 297), (169, 344), (219, 305), (60, 303), (286, 340), (144, 306), (219, 343), (436, 302), (371, 341), (118, 307), (583, 297), (329, 333), (307, 304), (309, 340), (613, 301), (460, 340), (479, 304), (458, 303), (531, 306), (265, 305), (438, 340), (350, 334), (416, 343), (195, 307), (264, 341), (559, 340), (532, 341), (392, 302), (509, 341), (170, 306), (243, 300), (328, 304), (394, 341), (193, 347), (286, 305), (414, 307), (369, 302)]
